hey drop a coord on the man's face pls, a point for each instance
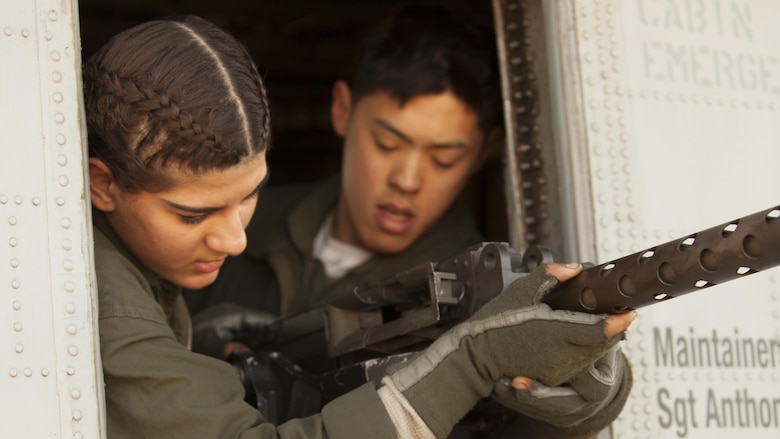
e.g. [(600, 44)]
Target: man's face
[(184, 233), (402, 167)]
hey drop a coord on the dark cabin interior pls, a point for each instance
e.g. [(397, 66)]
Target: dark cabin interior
[(301, 47)]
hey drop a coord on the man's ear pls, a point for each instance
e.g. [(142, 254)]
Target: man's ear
[(490, 147), (340, 107), (101, 185)]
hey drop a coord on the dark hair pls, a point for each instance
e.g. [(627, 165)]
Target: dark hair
[(171, 93), (430, 49)]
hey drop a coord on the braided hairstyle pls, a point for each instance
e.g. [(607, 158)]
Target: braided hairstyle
[(174, 93)]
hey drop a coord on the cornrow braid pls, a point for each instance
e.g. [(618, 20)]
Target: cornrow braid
[(153, 102), (266, 131)]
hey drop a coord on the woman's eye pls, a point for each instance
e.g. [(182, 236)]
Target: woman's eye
[(192, 219)]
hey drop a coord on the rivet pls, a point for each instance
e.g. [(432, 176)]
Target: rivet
[(44, 372), (75, 393), (73, 350), (13, 373), (36, 201), (65, 223), (18, 327), (3, 199), (60, 139), (48, 35), (70, 371), (27, 372), (18, 348), (62, 160), (62, 180), (15, 284), (70, 287), (59, 118), (60, 201), (16, 305), (25, 33), (8, 31), (67, 265), (71, 329), (76, 415), (56, 77), (57, 97), (78, 435), (14, 263), (18, 200), (70, 308), (52, 15)]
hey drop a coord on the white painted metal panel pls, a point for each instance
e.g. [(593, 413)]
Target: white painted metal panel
[(50, 366), (668, 110)]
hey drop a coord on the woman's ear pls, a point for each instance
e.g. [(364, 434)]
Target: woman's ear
[(340, 107), (101, 185)]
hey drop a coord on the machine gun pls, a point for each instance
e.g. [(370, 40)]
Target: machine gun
[(368, 329)]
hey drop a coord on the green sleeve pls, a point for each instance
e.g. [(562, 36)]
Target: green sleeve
[(156, 388)]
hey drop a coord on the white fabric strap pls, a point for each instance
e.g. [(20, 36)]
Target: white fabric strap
[(408, 424)]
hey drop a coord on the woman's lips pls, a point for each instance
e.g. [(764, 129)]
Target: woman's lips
[(206, 267), (393, 220)]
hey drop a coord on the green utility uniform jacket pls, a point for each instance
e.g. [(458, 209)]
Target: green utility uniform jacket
[(277, 272), (156, 387)]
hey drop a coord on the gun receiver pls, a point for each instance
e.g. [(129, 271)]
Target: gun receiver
[(368, 329), (418, 305)]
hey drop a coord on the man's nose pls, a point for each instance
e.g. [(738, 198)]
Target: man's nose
[(407, 173)]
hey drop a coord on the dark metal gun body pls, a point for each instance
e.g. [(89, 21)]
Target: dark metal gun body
[(417, 305), (367, 329)]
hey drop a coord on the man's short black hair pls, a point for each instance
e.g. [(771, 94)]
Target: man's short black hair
[(429, 50)]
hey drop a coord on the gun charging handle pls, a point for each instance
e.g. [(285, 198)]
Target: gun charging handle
[(694, 262)]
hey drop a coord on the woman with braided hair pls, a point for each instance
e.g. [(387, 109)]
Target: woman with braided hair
[(178, 124)]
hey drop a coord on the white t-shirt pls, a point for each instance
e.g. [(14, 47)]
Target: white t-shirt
[(337, 257)]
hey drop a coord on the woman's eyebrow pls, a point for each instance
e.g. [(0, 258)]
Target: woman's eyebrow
[(202, 210), (261, 185)]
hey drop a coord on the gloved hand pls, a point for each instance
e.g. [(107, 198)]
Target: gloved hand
[(216, 327), (585, 405), (515, 334)]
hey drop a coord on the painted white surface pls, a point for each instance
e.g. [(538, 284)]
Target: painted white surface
[(49, 365), (676, 141)]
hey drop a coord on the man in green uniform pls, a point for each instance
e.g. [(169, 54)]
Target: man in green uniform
[(417, 122)]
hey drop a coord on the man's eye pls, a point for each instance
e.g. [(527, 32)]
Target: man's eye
[(383, 146), (443, 164), (192, 219)]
